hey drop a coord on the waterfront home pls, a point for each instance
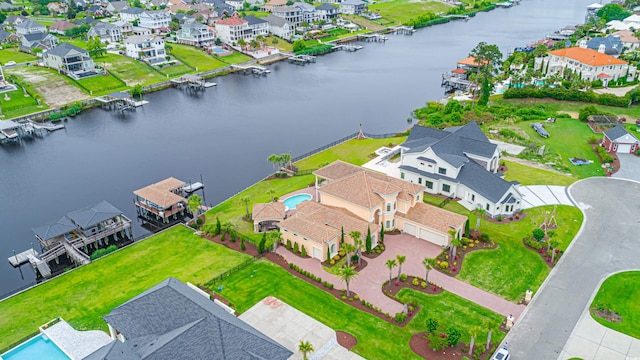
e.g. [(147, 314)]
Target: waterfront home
[(308, 12), (70, 60), (610, 45), (162, 204), (195, 34), (130, 14), (590, 64), (459, 162), (30, 27), (619, 140), (353, 198), (258, 26), (327, 12), (280, 27), (75, 236), (267, 216), (44, 41), (289, 13), (108, 33), (592, 11), (628, 39), (230, 30), (353, 7), (125, 26), (154, 19), (173, 320), (61, 26), (146, 48)]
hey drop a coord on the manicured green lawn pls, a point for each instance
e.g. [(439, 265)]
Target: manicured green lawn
[(621, 293), (528, 175), (282, 45), (511, 269), (403, 10), (451, 206), (131, 71), (195, 58), (176, 70), (101, 85), (18, 104), (13, 54), (568, 138), (632, 112), (353, 151), (237, 58), (343, 34), (84, 296), (377, 339)]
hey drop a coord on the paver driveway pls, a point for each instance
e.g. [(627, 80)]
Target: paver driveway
[(607, 243)]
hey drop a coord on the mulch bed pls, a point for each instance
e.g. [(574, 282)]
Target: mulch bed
[(373, 253), (460, 254), (543, 254), (393, 290), (615, 164), (505, 219), (606, 314), (346, 340), (420, 345), (250, 249)]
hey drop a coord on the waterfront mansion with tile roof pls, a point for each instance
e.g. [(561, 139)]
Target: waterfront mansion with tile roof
[(354, 198), (459, 162), (590, 64)]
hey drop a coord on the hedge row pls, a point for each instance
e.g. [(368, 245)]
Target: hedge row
[(568, 95)]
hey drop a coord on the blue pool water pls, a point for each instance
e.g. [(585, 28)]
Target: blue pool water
[(292, 202), (39, 347), (218, 50)]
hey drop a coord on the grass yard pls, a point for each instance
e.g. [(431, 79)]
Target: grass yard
[(18, 104), (402, 11), (131, 71), (632, 112), (101, 85), (238, 58), (195, 58), (335, 35), (568, 138), (12, 54), (177, 70), (282, 45), (353, 151), (376, 339), (55, 89), (511, 269), (364, 22), (620, 293), (528, 175), (84, 296)]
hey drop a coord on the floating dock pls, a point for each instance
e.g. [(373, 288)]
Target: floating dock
[(372, 37), (302, 59), (120, 101), (402, 30), (350, 48), (192, 82), (255, 69)]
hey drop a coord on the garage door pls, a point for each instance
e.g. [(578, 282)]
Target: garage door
[(410, 229), (431, 237), (317, 254), (624, 148)]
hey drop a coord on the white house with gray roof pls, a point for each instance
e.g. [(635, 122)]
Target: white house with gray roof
[(195, 34), (173, 321), (30, 27), (145, 47), (280, 27), (327, 12), (108, 33), (353, 7), (258, 26), (130, 14), (154, 19), (459, 162), (70, 60)]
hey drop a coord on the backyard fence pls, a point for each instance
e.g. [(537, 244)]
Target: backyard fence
[(211, 283)]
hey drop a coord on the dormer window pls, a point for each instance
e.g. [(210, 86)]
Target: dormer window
[(442, 171)]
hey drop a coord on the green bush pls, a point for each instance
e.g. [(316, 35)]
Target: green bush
[(242, 246), (400, 317), (304, 251), (443, 265), (604, 155), (538, 234), (102, 252), (436, 342), (288, 244), (484, 237), (534, 244), (415, 282), (432, 325), (567, 95), (233, 236), (403, 277), (296, 248), (453, 336), (423, 284)]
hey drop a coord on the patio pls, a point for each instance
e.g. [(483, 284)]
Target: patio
[(76, 344)]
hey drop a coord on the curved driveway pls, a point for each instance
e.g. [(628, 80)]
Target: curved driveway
[(608, 242)]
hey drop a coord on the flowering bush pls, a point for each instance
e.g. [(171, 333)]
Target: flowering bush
[(423, 285)]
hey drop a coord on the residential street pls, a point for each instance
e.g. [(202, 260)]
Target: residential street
[(607, 243)]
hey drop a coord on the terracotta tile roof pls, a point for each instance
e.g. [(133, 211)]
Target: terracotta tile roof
[(587, 56), (626, 36), (434, 217), (459, 71), (160, 192), (604, 76), (307, 228), (336, 170), (168, 184), (469, 61), (272, 210), (231, 21)]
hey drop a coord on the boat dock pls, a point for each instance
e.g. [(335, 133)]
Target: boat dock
[(452, 83), (120, 101), (372, 37), (22, 258), (192, 82), (402, 30), (255, 69), (350, 48), (506, 4), (302, 59), (45, 126), (458, 17), (191, 188)]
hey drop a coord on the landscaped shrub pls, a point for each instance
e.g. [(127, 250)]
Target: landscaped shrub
[(437, 342), (403, 277), (415, 282), (304, 251), (534, 244), (604, 155), (102, 252), (443, 265), (343, 297), (223, 236), (356, 297), (499, 218), (538, 234), (423, 284), (242, 247), (464, 241), (296, 248), (477, 353), (453, 336), (332, 262), (400, 317), (288, 246), (233, 236), (432, 325), (484, 237)]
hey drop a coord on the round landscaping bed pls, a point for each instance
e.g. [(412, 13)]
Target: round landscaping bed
[(346, 340)]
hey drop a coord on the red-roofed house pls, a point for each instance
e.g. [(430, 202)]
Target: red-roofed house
[(591, 64), (232, 29)]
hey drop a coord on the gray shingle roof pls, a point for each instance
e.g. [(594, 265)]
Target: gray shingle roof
[(35, 36), (172, 321), (92, 215), (49, 231), (326, 7), (132, 10), (277, 21), (63, 49), (612, 44), (252, 20), (616, 132)]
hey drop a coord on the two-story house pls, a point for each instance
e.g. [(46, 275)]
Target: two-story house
[(130, 14), (232, 29), (459, 162), (146, 48), (308, 12), (353, 7), (70, 60), (590, 64), (327, 12), (290, 14), (280, 27), (154, 19), (195, 34), (44, 41), (30, 27), (258, 26), (108, 33)]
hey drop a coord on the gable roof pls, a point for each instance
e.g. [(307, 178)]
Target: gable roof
[(252, 20), (57, 228), (28, 23), (452, 144), (160, 192), (38, 36), (172, 321), (63, 49), (132, 10), (327, 7), (612, 44), (434, 217), (587, 56), (277, 21), (62, 25), (231, 21), (272, 210), (617, 132)]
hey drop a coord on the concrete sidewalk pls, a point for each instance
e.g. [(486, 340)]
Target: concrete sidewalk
[(541, 195)]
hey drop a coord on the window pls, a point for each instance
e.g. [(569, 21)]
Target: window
[(446, 187), (393, 223), (395, 205), (304, 238), (388, 224), (388, 207), (294, 234), (418, 198), (442, 171), (428, 184), (419, 180), (487, 207), (473, 197), (401, 175)]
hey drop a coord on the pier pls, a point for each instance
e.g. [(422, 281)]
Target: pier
[(452, 83), (120, 101), (255, 69), (302, 59), (192, 82), (350, 48), (506, 4), (458, 17), (372, 37), (402, 30)]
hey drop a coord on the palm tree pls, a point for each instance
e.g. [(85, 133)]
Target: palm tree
[(355, 236), (275, 237), (272, 193), (401, 259), (391, 263), (226, 227), (455, 242), (246, 200), (429, 263), (473, 331), (487, 325), (348, 249), (273, 159), (305, 347), (347, 274), (194, 203), (285, 159), (480, 213)]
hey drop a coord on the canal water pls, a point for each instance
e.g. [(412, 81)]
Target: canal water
[(226, 133)]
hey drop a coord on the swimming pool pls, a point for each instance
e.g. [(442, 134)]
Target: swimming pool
[(291, 202), (38, 347), (219, 50)]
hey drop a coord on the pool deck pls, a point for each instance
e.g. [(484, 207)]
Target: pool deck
[(311, 190), (76, 344)]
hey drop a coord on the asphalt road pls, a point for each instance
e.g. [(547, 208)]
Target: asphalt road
[(608, 242)]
